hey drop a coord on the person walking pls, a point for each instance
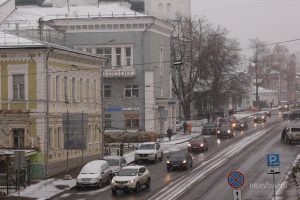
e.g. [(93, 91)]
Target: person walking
[(185, 126), (190, 127), (283, 134), (169, 133)]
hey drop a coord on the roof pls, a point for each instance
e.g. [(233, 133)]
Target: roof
[(28, 152), (8, 40), (2, 2), (28, 16), (11, 41)]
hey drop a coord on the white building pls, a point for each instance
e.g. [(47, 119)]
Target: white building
[(167, 9)]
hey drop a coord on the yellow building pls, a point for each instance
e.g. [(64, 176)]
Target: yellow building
[(67, 103)]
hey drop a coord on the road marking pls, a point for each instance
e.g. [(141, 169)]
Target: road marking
[(176, 188)]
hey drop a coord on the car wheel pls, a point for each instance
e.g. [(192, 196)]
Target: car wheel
[(148, 183), (161, 157), (155, 159), (108, 180), (137, 187), (113, 192), (78, 187)]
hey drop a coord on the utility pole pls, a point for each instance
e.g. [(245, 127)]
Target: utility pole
[(256, 78)]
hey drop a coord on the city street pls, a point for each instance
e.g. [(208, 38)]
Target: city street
[(246, 152)]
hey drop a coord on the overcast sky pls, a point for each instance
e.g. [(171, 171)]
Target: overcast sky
[(269, 20)]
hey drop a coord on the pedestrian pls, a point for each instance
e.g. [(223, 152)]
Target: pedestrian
[(185, 125), (169, 133), (283, 134), (189, 127)]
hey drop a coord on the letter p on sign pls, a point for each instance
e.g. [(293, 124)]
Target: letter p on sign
[(273, 160)]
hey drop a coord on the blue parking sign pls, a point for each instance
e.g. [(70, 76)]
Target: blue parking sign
[(273, 160)]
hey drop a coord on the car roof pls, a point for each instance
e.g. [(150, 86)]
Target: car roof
[(149, 142), (133, 167), (181, 152), (195, 139)]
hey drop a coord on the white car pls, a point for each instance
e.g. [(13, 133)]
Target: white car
[(293, 135), (115, 163), (148, 151), (94, 173), (131, 178)]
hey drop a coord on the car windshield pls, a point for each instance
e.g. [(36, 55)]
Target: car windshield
[(89, 170), (196, 140), (178, 154), (147, 146), (113, 162), (210, 125), (128, 172), (295, 129)]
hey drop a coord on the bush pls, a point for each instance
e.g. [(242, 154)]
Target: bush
[(131, 137)]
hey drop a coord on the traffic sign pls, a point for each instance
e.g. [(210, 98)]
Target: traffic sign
[(273, 170), (237, 194), (273, 160), (235, 179)]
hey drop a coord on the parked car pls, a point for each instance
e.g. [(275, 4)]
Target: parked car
[(148, 151), (131, 178), (210, 128), (179, 125), (225, 131), (198, 144), (293, 135), (115, 163), (260, 117), (94, 173), (179, 159)]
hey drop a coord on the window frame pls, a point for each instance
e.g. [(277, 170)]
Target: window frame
[(19, 97)]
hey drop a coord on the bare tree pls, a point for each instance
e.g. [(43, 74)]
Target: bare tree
[(207, 57)]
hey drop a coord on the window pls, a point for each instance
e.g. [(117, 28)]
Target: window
[(161, 62), (94, 91), (81, 90), (57, 84), (60, 138), (66, 89), (132, 120), (107, 120), (131, 91), (118, 56), (107, 90), (128, 56), (18, 135), (87, 90), (55, 140), (105, 52), (18, 87), (73, 89)]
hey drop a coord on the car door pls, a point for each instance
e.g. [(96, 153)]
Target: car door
[(142, 176), (106, 171)]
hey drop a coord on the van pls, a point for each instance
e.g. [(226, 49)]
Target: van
[(94, 174)]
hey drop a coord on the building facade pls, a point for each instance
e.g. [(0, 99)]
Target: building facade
[(38, 113), (137, 81)]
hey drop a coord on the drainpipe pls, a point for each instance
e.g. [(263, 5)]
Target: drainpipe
[(143, 62)]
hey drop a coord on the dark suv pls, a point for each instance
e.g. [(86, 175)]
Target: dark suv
[(210, 128)]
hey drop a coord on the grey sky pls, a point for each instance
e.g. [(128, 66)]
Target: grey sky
[(269, 20)]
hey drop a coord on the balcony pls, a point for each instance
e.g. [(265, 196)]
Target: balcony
[(119, 72)]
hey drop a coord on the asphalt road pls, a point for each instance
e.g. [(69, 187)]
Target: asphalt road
[(208, 178)]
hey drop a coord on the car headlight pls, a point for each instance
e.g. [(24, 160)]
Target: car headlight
[(285, 106), (113, 181), (228, 131), (168, 161), (218, 131), (189, 145), (255, 117), (131, 181), (233, 125), (242, 124), (184, 161)]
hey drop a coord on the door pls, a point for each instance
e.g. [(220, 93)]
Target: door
[(18, 137)]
